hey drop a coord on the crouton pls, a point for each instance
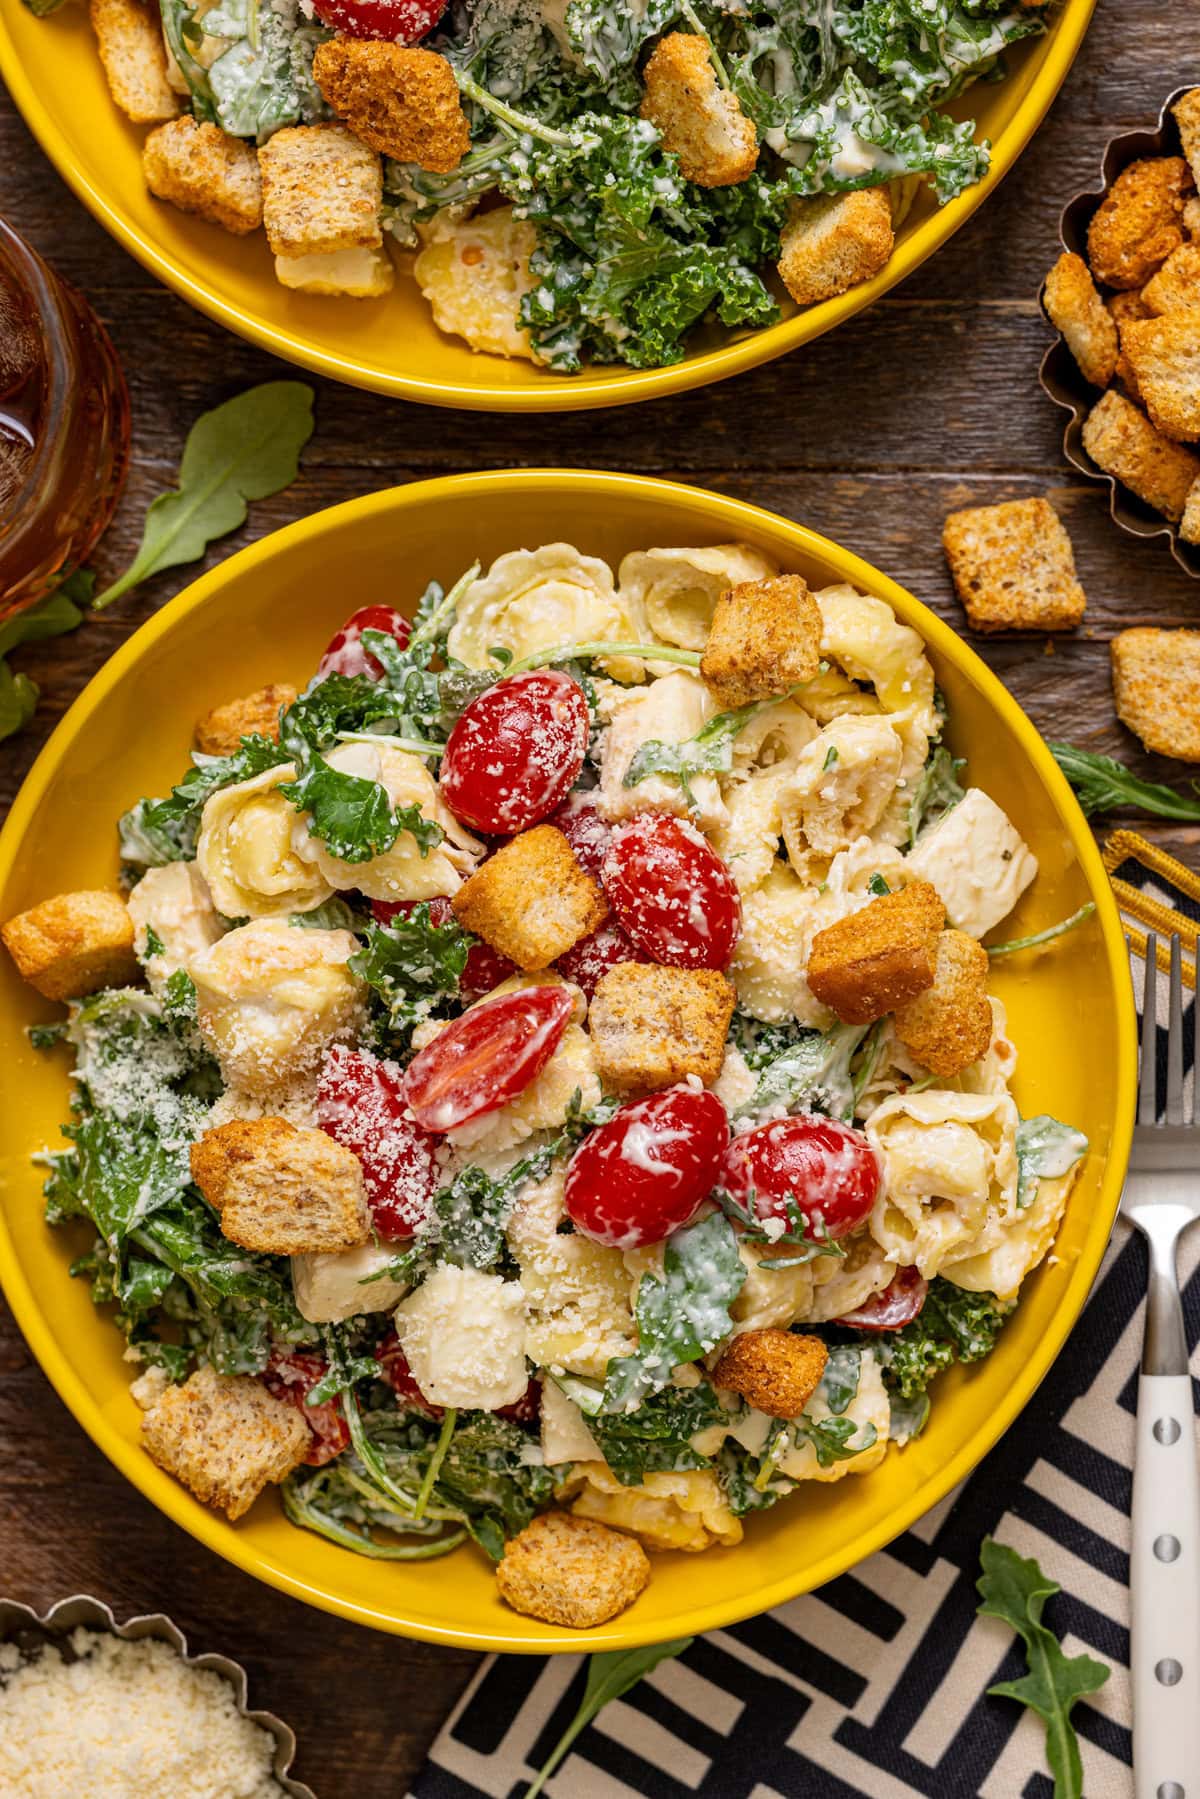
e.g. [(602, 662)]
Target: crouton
[(280, 1189), (652, 1026), (474, 273), (531, 900), (835, 242), (322, 191), (1187, 117), (201, 169), (1177, 283), (1139, 221), (1123, 308), (571, 1571), (1013, 567), (1189, 525), (698, 120), (879, 958), (765, 638), (225, 1437), (220, 732), (401, 101), (1164, 354), (1156, 685), (950, 1026), (1122, 441), (129, 39), (1191, 217), (1075, 307), (73, 944), (343, 274), (776, 1370)]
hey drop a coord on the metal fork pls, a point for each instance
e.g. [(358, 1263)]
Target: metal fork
[(1162, 1197)]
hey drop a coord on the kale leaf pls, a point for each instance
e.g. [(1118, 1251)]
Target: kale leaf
[(799, 1069), (657, 1435), (411, 964), (681, 1316), (953, 1325), (153, 829), (833, 1439)]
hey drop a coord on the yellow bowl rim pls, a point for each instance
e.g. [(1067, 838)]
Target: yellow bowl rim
[(565, 393), (732, 518)]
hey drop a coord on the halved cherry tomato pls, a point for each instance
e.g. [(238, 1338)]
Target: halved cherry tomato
[(898, 1304), (485, 967), (648, 1170), (516, 752), (404, 21), (672, 893), (289, 1375), (527, 1409), (360, 1105), (346, 656), (827, 1168), (584, 829), (487, 1056), (592, 957), (394, 1369)]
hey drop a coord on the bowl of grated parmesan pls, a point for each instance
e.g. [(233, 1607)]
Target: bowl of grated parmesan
[(117, 1711)]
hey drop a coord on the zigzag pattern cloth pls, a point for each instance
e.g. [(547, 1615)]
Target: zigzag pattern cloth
[(874, 1687)]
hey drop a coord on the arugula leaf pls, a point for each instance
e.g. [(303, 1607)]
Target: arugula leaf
[(1047, 936), (840, 1379), (832, 1439), (937, 791), (658, 1434), (1102, 785), (52, 616), (18, 700), (411, 964), (683, 1315), (953, 1325), (609, 1675), (245, 449), (1015, 1591), (796, 1235), (907, 1418), (710, 751), (1045, 1149)]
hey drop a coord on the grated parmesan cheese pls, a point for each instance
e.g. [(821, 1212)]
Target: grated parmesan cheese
[(124, 1720)]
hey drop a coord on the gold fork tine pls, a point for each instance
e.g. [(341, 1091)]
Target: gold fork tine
[(1147, 1110), (1175, 1034)]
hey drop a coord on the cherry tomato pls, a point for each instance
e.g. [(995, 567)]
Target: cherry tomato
[(485, 967), (827, 1168), (527, 1409), (516, 752), (586, 961), (394, 1369), (672, 893), (346, 656), (289, 1375), (360, 1105), (648, 1170), (898, 1304), (404, 21), (487, 1056), (584, 829)]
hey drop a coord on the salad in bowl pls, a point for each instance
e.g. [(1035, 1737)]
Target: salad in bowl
[(540, 1084)]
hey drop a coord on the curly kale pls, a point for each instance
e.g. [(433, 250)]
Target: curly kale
[(952, 1326)]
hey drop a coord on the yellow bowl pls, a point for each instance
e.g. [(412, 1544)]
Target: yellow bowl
[(265, 615), (392, 345)]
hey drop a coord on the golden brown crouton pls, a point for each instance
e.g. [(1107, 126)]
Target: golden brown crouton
[(1176, 284), (282, 1190), (950, 1027), (401, 101), (1123, 308), (571, 1571), (1014, 567), (703, 125), (129, 39), (765, 638), (1187, 117), (73, 944), (776, 1370), (879, 958), (835, 242), (322, 190), (220, 732), (1075, 307), (1189, 525), (1191, 217), (1139, 221), (1164, 354), (531, 900), (1122, 441), (225, 1437), (201, 169), (1156, 685), (652, 1026)]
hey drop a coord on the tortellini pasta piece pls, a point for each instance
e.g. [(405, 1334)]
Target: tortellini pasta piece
[(865, 638), (666, 1511), (402, 872), (841, 787), (773, 738), (474, 273), (1021, 1245), (870, 1407), (949, 1165), (771, 1298), (246, 850), (768, 963), (669, 710), (463, 1336), (530, 600), (271, 997), (748, 839), (577, 1291), (850, 1280), (676, 591), (174, 903)]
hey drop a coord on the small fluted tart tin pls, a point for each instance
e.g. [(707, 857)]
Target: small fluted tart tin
[(1061, 376)]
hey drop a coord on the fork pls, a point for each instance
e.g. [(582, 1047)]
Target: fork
[(1162, 1197)]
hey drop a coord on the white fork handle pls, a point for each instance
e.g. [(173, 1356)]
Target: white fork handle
[(1165, 1581)]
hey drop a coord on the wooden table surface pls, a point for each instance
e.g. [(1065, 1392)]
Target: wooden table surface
[(928, 402)]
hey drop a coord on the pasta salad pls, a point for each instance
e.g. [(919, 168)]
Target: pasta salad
[(540, 1083)]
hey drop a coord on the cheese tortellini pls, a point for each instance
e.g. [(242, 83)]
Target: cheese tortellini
[(676, 591), (174, 903), (669, 710), (474, 273), (666, 1511), (576, 1291), (949, 1175), (530, 600), (246, 850), (842, 785)]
